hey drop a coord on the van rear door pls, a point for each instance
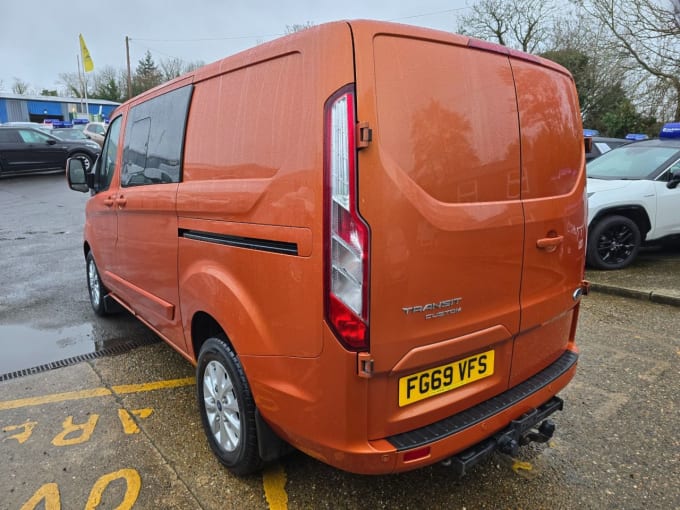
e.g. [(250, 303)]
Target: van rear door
[(440, 188), (553, 176)]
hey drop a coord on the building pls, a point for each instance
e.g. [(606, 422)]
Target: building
[(21, 108)]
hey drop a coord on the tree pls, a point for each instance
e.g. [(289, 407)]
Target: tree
[(47, 92), (521, 24), (174, 67), (291, 29), (20, 86), (109, 84), (146, 76), (648, 33), (623, 118), (73, 84)]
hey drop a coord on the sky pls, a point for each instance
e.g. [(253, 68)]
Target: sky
[(39, 40)]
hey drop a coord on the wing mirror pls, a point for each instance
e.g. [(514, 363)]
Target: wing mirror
[(674, 180), (76, 176)]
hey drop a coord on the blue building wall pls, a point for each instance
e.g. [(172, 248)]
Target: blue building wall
[(45, 108), (15, 107)]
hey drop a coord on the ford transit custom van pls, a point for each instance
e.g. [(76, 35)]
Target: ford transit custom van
[(368, 238)]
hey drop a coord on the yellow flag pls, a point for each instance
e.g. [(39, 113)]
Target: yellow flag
[(88, 65)]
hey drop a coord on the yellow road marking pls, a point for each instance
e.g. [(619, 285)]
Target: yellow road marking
[(274, 481), (95, 392)]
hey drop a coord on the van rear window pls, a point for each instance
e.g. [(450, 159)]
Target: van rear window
[(448, 118)]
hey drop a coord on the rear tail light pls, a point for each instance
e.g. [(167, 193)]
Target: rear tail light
[(346, 233)]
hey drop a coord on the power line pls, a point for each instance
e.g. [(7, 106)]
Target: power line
[(263, 36), (207, 38), (429, 14)]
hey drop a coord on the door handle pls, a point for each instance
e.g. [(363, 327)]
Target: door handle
[(108, 201), (549, 243), (121, 201)]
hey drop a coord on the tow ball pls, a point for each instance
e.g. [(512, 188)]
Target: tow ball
[(522, 431), (509, 445)]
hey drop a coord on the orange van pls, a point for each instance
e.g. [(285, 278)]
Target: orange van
[(367, 237)]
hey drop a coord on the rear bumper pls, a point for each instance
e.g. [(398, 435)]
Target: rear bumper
[(497, 405), (443, 439)]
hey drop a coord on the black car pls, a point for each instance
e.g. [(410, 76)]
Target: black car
[(26, 150), (602, 145)]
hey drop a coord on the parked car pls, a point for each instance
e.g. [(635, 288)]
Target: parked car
[(25, 150), (71, 133), (96, 131), (633, 198), (35, 125), (602, 145), (369, 255)]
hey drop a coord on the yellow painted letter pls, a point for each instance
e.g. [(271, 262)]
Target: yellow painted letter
[(81, 432), (21, 437), (134, 484), (48, 492)]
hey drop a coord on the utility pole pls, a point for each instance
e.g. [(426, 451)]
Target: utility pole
[(129, 74)]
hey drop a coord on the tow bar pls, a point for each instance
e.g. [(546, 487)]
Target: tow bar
[(522, 431)]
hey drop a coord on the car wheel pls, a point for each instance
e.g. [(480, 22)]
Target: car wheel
[(227, 407), (95, 287), (85, 158), (613, 243)]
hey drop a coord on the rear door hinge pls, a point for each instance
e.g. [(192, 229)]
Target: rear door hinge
[(365, 364), (364, 135)]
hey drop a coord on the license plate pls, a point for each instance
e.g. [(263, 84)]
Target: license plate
[(436, 381)]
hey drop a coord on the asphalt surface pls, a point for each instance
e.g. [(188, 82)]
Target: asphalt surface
[(653, 276), (123, 431)]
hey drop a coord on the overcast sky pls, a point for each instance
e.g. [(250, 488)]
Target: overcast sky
[(39, 40)]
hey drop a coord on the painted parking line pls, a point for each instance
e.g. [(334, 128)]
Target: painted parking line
[(274, 481), (95, 392), (273, 478)]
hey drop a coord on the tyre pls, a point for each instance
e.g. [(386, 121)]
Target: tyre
[(227, 407), (95, 287), (613, 243), (85, 158)]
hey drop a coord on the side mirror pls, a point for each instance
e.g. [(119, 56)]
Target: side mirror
[(674, 180), (75, 175)]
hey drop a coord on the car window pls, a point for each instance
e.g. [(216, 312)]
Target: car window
[(674, 169), (633, 161), (69, 134), (136, 152), (154, 139), (8, 136), (107, 164), (31, 136)]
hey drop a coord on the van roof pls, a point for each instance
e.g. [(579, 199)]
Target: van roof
[(264, 51)]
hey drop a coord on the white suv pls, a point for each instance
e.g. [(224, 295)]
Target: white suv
[(633, 198)]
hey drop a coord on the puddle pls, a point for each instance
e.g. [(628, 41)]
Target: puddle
[(23, 347)]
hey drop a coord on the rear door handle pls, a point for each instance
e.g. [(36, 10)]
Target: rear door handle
[(121, 201), (108, 201), (549, 243)]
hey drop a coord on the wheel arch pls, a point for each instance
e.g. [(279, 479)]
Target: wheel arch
[(270, 445), (636, 213), (214, 301)]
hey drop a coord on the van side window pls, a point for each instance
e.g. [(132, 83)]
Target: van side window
[(154, 139), (107, 160)]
